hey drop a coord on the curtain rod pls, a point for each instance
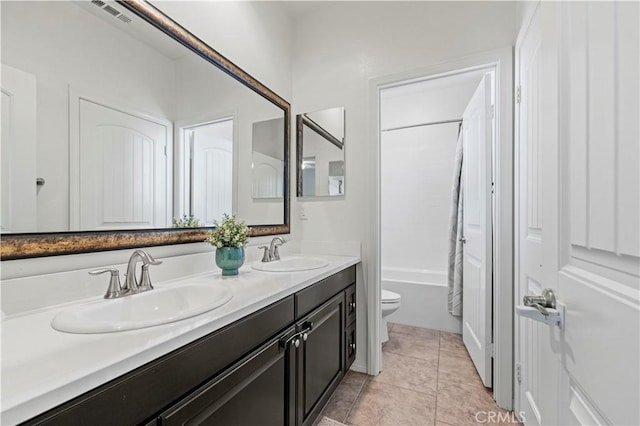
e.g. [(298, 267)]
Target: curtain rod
[(423, 124)]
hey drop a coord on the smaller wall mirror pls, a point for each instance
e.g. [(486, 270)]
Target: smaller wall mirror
[(320, 152)]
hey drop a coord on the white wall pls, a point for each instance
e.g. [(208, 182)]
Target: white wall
[(415, 186), (337, 50), (417, 170), (256, 36)]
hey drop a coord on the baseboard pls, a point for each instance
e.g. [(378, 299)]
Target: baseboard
[(359, 367)]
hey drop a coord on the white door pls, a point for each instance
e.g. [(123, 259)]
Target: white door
[(578, 213), (123, 170), (477, 136), (18, 152), (212, 171), (267, 176)]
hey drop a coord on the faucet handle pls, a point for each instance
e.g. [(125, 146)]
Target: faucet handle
[(275, 243), (145, 280), (276, 254), (147, 259), (265, 256), (114, 290)]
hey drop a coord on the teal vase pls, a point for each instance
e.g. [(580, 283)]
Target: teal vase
[(229, 259)]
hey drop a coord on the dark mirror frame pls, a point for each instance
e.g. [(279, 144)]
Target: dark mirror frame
[(301, 121), (22, 246)]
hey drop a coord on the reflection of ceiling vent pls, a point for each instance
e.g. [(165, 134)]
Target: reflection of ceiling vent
[(124, 18), (111, 11)]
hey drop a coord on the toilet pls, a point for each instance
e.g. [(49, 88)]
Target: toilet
[(390, 304)]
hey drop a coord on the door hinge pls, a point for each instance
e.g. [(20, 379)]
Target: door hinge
[(493, 187), (165, 150), (493, 111), (519, 372), (493, 350), (518, 94)]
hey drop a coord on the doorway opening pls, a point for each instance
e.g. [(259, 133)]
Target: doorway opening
[(414, 166), (425, 126), (207, 171)]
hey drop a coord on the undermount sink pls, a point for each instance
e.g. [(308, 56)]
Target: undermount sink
[(291, 264), (155, 307)]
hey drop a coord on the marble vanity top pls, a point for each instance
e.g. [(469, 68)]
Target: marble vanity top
[(42, 367)]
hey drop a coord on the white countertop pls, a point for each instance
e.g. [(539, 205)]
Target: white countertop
[(42, 367)]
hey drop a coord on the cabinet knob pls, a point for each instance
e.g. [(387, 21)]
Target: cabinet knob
[(304, 336), (353, 347), (352, 305), (296, 343)]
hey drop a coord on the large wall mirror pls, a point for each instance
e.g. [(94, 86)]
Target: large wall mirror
[(320, 151), (121, 129)]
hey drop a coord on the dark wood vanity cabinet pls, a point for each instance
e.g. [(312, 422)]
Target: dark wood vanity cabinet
[(258, 390), (278, 366)]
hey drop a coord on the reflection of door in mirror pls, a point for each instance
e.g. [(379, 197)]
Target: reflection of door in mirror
[(122, 170), (309, 176), (18, 151), (268, 159), (211, 171)]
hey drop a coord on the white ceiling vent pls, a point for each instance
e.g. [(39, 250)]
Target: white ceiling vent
[(111, 11)]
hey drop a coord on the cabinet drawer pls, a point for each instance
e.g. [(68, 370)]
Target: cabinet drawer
[(350, 345), (350, 306), (309, 298), (256, 391), (135, 396)]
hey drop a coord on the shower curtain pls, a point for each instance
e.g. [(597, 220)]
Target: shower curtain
[(454, 273)]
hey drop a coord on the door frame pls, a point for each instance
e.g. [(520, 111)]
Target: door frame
[(523, 31), (501, 62)]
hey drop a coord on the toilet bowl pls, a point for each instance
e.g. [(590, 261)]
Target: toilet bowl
[(390, 304)]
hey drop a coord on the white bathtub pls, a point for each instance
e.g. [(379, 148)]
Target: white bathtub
[(424, 298)]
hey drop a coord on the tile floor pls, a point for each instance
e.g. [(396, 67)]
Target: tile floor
[(428, 379)]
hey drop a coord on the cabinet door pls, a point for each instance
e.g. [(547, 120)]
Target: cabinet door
[(259, 390), (321, 358)]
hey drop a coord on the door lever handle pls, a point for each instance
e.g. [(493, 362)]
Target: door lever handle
[(540, 308), (546, 300), (543, 308)]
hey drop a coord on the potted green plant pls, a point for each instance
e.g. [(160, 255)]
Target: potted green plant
[(186, 221), (229, 238)]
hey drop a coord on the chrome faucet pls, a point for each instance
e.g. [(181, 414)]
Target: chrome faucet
[(131, 284), (271, 253)]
